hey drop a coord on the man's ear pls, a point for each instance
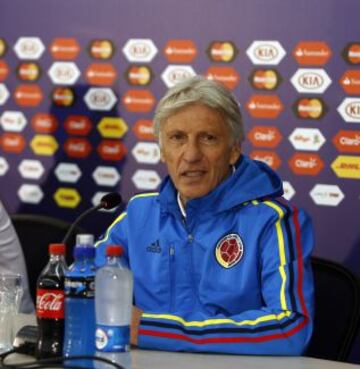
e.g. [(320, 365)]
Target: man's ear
[(235, 153)]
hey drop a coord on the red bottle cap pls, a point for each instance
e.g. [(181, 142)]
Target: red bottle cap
[(57, 249), (114, 250)]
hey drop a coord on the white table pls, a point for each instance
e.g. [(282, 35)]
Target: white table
[(146, 359)]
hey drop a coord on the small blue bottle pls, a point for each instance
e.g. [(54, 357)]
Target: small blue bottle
[(80, 324)]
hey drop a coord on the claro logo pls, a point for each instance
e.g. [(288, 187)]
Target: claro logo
[(306, 164), (347, 141), (270, 158), (265, 136)]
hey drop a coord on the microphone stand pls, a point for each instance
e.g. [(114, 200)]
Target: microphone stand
[(78, 220)]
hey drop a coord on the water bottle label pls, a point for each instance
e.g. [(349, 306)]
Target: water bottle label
[(80, 287), (112, 339)]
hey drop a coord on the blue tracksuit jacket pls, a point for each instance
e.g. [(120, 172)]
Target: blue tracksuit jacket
[(233, 277)]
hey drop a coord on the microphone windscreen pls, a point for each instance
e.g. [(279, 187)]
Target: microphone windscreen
[(110, 200)]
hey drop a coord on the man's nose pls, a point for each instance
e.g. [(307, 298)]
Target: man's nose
[(192, 151)]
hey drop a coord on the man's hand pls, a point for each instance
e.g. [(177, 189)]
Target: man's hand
[(135, 322)]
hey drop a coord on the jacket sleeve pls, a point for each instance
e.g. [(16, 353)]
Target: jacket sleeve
[(116, 234), (282, 326)]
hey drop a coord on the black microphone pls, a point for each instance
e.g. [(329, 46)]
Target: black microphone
[(109, 201)]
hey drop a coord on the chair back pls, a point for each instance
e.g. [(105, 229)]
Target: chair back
[(35, 233), (337, 310)]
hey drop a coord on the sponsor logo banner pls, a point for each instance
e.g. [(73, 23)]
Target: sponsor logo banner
[(64, 73), (307, 139), (106, 176), (68, 172), (4, 94), (31, 169), (140, 75), (77, 147), (265, 79), (264, 106), (28, 95), (349, 109), (12, 142), (111, 150), (112, 127), (226, 75), (63, 96), (139, 101), (29, 48), (312, 53), (3, 47), (101, 74), (144, 130), (44, 145), (146, 179), (265, 52), (28, 72), (44, 123), (309, 108), (346, 166), (67, 197), (270, 158), (4, 70), (328, 195), (140, 50), (30, 193), (222, 51), (13, 121), (4, 166), (64, 48), (265, 136), (351, 53), (101, 49), (146, 152), (78, 125), (306, 164), (180, 51), (312, 81), (350, 82), (102, 99), (174, 74), (289, 191), (347, 141)]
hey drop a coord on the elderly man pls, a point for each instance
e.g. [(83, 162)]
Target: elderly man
[(220, 260)]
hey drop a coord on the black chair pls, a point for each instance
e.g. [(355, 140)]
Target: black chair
[(35, 233), (337, 310)]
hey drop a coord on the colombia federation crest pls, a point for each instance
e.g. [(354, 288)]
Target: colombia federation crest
[(229, 250)]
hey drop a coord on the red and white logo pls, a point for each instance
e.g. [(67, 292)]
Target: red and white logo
[(266, 52), (140, 50), (50, 304), (229, 250), (174, 74)]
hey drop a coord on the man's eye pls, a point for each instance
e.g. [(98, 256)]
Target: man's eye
[(209, 138), (176, 137)]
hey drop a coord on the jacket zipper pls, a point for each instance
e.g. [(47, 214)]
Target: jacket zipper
[(172, 277)]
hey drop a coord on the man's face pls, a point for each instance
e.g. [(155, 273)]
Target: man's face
[(197, 148)]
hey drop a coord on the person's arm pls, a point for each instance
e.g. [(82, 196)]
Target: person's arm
[(283, 326), (12, 258)]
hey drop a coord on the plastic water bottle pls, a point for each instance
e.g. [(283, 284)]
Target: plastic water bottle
[(79, 302), (113, 306)]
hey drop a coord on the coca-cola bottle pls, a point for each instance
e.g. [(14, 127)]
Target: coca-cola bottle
[(50, 304)]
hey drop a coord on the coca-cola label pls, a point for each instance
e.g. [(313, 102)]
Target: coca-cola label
[(50, 304), (80, 287)]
